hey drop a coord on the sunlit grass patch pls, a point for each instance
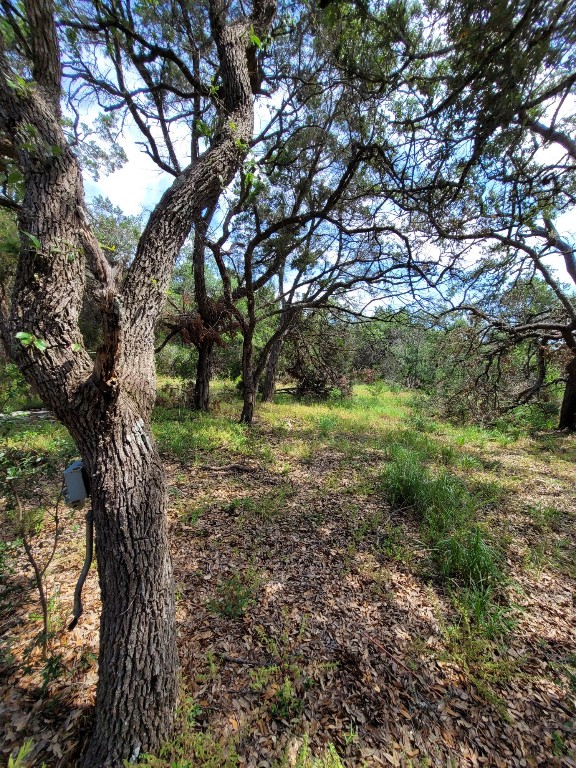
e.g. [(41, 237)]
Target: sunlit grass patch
[(306, 759), (182, 434), (544, 517), (327, 423), (551, 552), (366, 406), (41, 437), (446, 509)]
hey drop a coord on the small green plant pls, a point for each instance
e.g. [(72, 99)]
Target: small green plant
[(53, 669), (212, 669), (261, 677), (559, 746), (305, 758), (390, 541), (351, 737), (479, 612), (263, 507), (234, 595), (286, 702), (327, 423), (544, 518), (191, 747), (369, 525), (466, 556), (20, 761), (191, 512)]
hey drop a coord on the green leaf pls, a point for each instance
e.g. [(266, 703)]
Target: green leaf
[(29, 340), (76, 347), (6, 32), (14, 177), (19, 85), (25, 338), (203, 128), (254, 39), (34, 240)]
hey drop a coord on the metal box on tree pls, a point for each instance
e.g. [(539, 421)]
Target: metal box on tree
[(75, 482)]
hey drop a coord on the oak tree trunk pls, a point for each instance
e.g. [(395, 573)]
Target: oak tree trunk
[(137, 685), (248, 381), (568, 408), (106, 403), (271, 373), (201, 393)]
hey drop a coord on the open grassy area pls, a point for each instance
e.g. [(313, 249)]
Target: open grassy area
[(356, 585)]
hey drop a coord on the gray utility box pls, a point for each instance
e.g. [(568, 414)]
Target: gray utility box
[(74, 480)]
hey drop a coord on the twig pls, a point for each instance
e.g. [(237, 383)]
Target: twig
[(38, 575), (388, 653), (56, 533)]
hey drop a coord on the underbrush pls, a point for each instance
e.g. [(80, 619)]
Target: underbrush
[(529, 419)]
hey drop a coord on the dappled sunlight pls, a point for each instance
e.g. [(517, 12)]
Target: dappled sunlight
[(311, 610)]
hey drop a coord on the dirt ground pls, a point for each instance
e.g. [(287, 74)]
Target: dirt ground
[(308, 611)]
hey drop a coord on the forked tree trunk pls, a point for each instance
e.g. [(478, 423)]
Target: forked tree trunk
[(201, 393), (137, 685), (568, 408), (106, 403)]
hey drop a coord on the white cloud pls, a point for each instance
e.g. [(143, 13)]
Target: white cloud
[(138, 184)]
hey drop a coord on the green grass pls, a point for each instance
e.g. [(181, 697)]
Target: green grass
[(306, 759), (42, 439), (264, 507), (446, 510), (182, 433), (544, 517)]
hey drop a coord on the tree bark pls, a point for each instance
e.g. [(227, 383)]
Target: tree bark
[(248, 380), (270, 356), (201, 393), (568, 408), (200, 399), (137, 685), (269, 383)]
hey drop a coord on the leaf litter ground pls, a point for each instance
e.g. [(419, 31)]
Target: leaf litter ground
[(308, 609)]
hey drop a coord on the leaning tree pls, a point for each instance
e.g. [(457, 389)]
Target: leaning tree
[(106, 402)]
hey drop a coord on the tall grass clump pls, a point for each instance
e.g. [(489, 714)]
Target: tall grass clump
[(446, 510)]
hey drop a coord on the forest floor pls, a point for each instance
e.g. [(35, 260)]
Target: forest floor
[(327, 614)]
